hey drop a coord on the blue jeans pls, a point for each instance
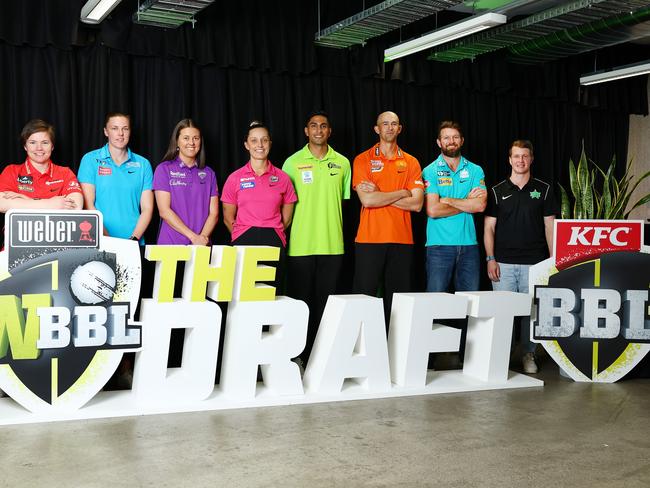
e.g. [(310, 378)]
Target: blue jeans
[(462, 263), (514, 277)]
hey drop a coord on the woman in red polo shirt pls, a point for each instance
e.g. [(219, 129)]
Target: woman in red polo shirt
[(39, 183), (258, 198)]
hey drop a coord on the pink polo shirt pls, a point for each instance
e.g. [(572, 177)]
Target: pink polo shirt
[(259, 199)]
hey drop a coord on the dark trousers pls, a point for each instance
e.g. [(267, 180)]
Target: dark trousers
[(389, 265), (266, 236), (312, 279)]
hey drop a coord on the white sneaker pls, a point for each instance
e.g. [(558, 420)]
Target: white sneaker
[(528, 361)]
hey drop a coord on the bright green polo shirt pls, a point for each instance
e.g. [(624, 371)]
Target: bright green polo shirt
[(321, 186)]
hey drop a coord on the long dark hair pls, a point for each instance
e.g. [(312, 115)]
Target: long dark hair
[(172, 150)]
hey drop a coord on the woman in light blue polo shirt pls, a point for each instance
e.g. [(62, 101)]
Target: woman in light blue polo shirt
[(118, 182)]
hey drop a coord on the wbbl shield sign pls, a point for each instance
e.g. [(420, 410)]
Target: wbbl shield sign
[(66, 303), (592, 299)]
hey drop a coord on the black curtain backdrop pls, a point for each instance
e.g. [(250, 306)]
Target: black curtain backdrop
[(256, 60)]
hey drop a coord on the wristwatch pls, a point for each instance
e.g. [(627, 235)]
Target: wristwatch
[(490, 258)]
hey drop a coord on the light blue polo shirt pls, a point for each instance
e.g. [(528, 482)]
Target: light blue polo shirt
[(455, 230), (117, 188)]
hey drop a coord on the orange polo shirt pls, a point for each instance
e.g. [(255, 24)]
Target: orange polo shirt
[(386, 224)]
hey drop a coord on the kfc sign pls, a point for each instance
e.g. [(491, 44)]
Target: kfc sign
[(577, 240)]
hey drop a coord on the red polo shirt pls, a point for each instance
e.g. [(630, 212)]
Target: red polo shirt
[(26, 180)]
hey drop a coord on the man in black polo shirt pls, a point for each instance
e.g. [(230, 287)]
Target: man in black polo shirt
[(519, 232)]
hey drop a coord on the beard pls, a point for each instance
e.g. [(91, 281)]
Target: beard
[(451, 152)]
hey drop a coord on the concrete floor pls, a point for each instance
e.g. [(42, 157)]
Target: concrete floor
[(563, 435)]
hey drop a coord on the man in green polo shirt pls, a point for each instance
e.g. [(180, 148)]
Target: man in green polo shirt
[(321, 177)]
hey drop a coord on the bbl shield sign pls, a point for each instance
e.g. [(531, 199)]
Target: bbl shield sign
[(592, 299), (67, 299)]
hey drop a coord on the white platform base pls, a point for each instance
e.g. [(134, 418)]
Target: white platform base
[(122, 404)]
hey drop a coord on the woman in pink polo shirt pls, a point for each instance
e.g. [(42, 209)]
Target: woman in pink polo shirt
[(258, 198)]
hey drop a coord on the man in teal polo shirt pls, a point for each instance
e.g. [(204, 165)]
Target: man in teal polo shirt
[(321, 177), (118, 182), (455, 189)]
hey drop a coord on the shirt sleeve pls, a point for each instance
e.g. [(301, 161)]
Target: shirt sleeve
[(415, 176), (289, 195), (360, 171), (229, 192), (492, 203), (161, 179), (550, 203), (288, 168), (147, 182), (8, 180), (70, 183), (430, 181), (214, 190), (87, 171), (478, 179), (347, 177)]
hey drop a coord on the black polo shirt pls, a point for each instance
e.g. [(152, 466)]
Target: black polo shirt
[(519, 236)]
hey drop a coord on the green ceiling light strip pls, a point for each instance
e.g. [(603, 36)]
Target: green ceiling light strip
[(608, 32), (377, 20), (537, 25)]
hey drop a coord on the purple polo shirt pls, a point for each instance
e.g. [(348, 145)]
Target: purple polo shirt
[(259, 199), (190, 191)]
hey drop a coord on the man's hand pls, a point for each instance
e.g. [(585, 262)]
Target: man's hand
[(367, 186), (476, 193), (494, 273)]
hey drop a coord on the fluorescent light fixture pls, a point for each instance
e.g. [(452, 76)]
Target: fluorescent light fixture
[(94, 11), (619, 73), (449, 33)]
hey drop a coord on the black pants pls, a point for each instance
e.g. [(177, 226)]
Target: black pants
[(312, 279), (266, 236), (389, 265)]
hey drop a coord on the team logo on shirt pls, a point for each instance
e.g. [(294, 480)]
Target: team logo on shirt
[(464, 173), (104, 171), (202, 174), (273, 179), (333, 166), (444, 182), (535, 194), (401, 166), (376, 165)]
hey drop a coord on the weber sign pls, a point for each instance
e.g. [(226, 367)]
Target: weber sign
[(34, 233), (592, 299)]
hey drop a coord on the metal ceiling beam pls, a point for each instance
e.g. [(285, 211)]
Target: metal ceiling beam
[(169, 13), (556, 19), (377, 20)]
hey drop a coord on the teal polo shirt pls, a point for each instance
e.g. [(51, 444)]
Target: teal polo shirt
[(455, 230), (117, 188)]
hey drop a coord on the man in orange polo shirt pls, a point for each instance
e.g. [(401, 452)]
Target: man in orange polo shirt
[(389, 184)]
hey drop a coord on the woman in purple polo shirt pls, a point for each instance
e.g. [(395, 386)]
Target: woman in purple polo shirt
[(258, 198), (186, 189)]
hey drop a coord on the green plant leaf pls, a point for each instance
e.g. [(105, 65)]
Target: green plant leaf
[(642, 201), (573, 180), (565, 204)]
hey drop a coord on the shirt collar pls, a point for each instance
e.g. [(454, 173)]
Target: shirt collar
[(179, 162), (461, 165), (271, 170), (307, 154), (105, 154), (29, 167), (377, 153)]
